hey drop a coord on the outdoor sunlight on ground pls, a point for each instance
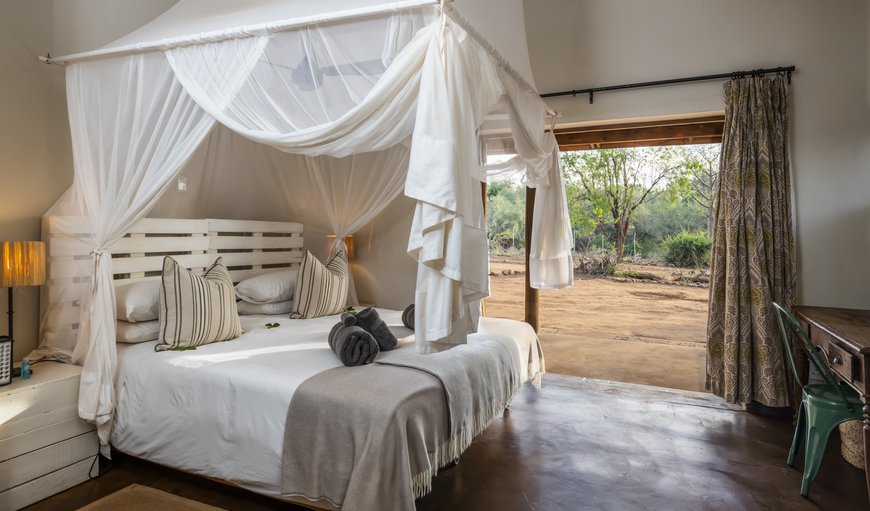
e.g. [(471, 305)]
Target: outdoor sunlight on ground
[(614, 329)]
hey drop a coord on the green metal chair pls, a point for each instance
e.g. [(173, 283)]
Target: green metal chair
[(823, 405)]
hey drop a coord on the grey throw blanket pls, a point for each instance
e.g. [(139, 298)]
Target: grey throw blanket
[(353, 345), (371, 321), (479, 380), (373, 437)]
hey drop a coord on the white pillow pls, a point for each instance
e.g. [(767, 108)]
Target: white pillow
[(132, 333), (137, 301), (277, 286), (265, 308)]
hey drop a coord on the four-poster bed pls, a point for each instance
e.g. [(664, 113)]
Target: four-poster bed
[(388, 97)]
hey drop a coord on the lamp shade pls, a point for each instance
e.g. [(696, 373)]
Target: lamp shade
[(22, 263)]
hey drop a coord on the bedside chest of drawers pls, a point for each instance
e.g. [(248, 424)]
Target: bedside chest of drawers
[(45, 447)]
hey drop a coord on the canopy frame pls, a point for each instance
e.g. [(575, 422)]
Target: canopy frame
[(285, 25), (258, 29)]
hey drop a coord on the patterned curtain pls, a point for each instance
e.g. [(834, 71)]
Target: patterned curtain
[(753, 246)]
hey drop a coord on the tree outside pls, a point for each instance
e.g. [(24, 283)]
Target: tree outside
[(698, 180), (633, 201), (506, 217), (640, 199), (615, 182)]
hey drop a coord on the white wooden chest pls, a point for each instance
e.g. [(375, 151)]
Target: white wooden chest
[(45, 447)]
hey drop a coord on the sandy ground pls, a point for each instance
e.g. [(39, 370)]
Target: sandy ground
[(637, 332)]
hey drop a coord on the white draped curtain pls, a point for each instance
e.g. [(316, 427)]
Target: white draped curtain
[(233, 177), (124, 159), (305, 92), (339, 196), (550, 262), (327, 93)]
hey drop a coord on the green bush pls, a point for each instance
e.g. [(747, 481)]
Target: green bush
[(688, 249)]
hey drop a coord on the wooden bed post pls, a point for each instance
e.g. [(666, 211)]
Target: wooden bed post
[(483, 188), (532, 298)]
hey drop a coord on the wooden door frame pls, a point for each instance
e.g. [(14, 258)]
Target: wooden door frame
[(694, 130)]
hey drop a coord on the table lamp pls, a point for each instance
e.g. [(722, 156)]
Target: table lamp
[(348, 242), (22, 263)]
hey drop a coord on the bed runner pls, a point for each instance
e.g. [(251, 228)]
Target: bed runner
[(374, 436)]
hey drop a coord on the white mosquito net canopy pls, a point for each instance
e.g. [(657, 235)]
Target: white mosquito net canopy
[(326, 110)]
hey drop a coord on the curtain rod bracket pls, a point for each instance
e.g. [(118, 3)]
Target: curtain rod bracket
[(591, 97)]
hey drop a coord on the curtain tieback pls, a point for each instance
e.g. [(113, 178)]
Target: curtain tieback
[(338, 244), (97, 255)]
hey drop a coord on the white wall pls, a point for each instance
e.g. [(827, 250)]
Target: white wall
[(28, 183), (585, 43), (385, 274)]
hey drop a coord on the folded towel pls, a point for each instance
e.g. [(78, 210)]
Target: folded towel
[(348, 319), (369, 319), (408, 316), (353, 345)]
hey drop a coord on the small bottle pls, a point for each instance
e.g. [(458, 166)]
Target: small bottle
[(25, 370)]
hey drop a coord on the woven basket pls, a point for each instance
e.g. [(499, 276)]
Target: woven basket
[(852, 445)]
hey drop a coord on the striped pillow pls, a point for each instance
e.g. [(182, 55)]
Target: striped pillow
[(196, 309), (321, 290)]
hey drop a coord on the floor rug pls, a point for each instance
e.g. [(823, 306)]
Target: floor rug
[(137, 497)]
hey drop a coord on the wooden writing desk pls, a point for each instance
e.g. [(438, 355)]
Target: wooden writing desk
[(844, 336)]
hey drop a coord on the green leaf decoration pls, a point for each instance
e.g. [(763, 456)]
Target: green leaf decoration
[(349, 310), (182, 348), (272, 325)]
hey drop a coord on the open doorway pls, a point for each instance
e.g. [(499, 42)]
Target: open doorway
[(640, 198)]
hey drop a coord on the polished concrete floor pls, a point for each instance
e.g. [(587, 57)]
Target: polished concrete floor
[(581, 444)]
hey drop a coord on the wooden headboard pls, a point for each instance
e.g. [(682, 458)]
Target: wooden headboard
[(248, 247)]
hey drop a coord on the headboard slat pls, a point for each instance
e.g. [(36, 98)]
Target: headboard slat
[(221, 225), (146, 245), (257, 258), (251, 242), (246, 246)]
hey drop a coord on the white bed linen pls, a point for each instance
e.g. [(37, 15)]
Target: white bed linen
[(234, 395)]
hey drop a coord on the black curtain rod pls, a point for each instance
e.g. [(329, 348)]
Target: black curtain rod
[(734, 74)]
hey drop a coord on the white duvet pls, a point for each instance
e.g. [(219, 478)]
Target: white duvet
[(220, 410)]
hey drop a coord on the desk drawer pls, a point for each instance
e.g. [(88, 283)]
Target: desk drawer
[(840, 361)]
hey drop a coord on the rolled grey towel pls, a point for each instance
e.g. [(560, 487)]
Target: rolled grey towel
[(408, 316), (348, 319), (353, 345), (369, 319)]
